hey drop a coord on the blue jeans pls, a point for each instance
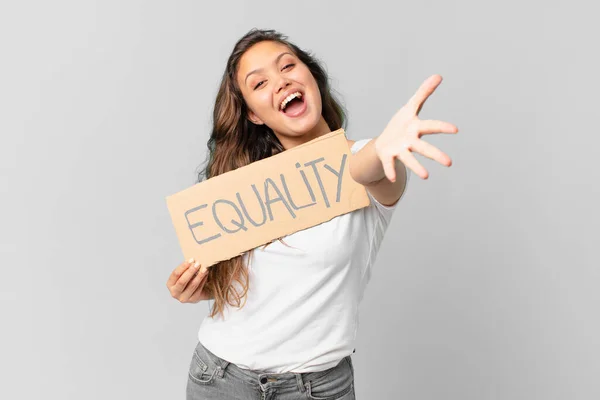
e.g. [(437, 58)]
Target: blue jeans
[(211, 377)]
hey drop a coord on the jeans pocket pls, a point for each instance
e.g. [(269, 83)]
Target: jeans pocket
[(332, 385), (200, 371), (349, 360)]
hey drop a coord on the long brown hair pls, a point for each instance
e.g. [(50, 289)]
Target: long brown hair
[(235, 142)]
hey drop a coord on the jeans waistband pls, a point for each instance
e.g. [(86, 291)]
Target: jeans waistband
[(264, 379)]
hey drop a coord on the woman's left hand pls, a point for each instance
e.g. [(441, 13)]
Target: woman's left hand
[(402, 135)]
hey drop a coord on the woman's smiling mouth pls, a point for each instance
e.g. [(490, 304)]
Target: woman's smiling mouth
[(293, 105)]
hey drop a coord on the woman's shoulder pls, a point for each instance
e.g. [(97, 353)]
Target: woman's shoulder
[(356, 145)]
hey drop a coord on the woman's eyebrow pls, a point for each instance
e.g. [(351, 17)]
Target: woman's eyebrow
[(260, 69)]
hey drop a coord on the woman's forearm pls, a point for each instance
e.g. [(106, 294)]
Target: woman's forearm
[(365, 166)]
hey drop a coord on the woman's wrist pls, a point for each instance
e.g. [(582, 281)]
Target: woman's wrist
[(365, 165)]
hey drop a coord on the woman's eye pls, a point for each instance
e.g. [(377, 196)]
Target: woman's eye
[(258, 84), (289, 65)]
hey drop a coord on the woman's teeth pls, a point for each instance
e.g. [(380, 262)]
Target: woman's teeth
[(288, 99)]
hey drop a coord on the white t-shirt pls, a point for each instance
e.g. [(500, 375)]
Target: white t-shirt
[(301, 313)]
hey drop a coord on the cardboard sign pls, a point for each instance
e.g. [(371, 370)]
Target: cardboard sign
[(226, 215)]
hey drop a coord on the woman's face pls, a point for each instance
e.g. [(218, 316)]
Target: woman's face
[(281, 92)]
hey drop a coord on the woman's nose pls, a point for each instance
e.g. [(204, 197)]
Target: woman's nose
[(283, 83)]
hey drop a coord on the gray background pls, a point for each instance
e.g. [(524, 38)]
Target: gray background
[(486, 284)]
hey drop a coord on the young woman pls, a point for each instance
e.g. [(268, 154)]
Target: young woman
[(285, 315)]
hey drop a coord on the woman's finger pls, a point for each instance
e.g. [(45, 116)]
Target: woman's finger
[(389, 168), (193, 285), (432, 152), (425, 90), (411, 162), (178, 271), (183, 280), (200, 293), (203, 294), (428, 126)]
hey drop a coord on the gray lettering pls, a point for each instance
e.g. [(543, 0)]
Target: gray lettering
[(310, 192), (339, 176), (279, 197), (289, 196), (240, 224), (262, 207), (197, 224), (316, 171)]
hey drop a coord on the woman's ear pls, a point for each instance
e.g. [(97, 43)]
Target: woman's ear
[(254, 119)]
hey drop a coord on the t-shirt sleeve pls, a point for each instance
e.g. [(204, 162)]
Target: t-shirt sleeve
[(384, 211)]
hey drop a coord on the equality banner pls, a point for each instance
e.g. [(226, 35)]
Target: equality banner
[(231, 213)]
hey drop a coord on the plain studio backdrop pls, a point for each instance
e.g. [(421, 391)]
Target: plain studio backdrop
[(486, 286)]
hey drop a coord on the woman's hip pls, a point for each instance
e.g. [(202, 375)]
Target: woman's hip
[(211, 377)]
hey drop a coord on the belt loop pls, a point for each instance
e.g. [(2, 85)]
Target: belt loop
[(300, 382), (222, 367)]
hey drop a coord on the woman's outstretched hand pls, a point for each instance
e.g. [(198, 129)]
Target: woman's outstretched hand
[(186, 282), (402, 135)]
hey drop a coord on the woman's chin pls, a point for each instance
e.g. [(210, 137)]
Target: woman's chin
[(303, 125)]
